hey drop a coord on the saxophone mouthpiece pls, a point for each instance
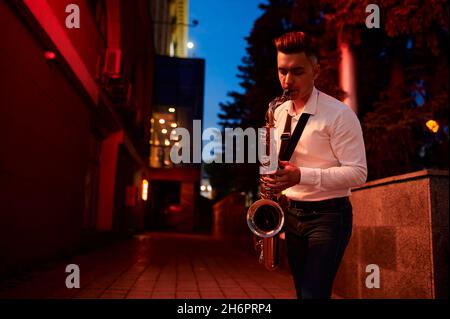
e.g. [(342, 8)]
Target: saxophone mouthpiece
[(286, 93)]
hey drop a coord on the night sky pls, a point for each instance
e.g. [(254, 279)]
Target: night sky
[(219, 39)]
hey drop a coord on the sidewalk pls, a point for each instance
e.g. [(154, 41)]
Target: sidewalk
[(159, 266)]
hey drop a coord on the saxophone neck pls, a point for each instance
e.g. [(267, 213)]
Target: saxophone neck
[(270, 122)]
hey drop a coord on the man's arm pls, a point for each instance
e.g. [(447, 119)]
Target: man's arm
[(347, 145)]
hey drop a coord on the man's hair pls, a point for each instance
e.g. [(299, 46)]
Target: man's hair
[(295, 42)]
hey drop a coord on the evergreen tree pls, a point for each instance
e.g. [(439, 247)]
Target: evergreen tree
[(258, 74)]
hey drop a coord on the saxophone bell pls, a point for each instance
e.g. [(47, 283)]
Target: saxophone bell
[(265, 218)]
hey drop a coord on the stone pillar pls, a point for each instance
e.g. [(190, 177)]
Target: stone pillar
[(347, 76)]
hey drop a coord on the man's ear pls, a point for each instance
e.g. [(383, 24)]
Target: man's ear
[(316, 71)]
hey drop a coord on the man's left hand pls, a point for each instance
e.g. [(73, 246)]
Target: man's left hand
[(284, 178)]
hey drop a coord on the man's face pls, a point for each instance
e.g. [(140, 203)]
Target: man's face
[(297, 73)]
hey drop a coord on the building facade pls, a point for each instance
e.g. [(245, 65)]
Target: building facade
[(178, 102), (171, 22), (75, 99)]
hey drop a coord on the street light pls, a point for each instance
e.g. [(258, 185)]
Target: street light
[(190, 46)]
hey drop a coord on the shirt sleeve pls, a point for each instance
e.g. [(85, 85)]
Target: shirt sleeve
[(347, 144)]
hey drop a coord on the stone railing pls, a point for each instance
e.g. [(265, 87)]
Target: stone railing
[(400, 230)]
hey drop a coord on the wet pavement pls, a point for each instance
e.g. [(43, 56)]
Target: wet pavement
[(158, 266)]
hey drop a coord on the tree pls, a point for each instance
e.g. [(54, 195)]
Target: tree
[(247, 109), (404, 85), (402, 76)]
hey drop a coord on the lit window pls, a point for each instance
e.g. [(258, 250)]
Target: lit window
[(144, 190)]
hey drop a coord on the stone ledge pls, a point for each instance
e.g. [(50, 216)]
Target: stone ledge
[(401, 178)]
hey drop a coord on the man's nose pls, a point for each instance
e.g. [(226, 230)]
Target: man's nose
[(288, 79)]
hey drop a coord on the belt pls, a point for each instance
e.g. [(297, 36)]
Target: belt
[(327, 204)]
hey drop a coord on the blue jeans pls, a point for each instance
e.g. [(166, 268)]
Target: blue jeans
[(316, 239)]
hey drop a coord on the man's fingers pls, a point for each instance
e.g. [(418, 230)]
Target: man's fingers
[(282, 172), (270, 180), (278, 187)]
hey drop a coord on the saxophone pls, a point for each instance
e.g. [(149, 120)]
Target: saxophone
[(265, 217)]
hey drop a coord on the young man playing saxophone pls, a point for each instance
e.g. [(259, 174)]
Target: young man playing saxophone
[(327, 161)]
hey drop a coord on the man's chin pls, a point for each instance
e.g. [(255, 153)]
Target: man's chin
[(293, 95)]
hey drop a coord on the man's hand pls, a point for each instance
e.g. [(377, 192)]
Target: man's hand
[(284, 178)]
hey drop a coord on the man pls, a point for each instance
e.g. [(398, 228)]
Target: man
[(328, 160)]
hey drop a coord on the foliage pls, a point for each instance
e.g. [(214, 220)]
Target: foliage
[(402, 79)]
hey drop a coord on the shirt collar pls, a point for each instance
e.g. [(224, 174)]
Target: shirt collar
[(310, 106)]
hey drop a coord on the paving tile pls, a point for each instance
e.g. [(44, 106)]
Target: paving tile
[(285, 295), (127, 284), (89, 293), (143, 285), (186, 286), (139, 295), (167, 267), (208, 288), (207, 283), (166, 295), (215, 295), (187, 294), (236, 296), (164, 287), (113, 294)]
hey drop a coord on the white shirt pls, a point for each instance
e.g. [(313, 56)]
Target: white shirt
[(330, 153)]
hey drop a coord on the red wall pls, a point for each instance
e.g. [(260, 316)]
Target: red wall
[(89, 42), (110, 148), (50, 115), (44, 132)]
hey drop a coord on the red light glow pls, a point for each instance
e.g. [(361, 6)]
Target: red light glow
[(49, 55)]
